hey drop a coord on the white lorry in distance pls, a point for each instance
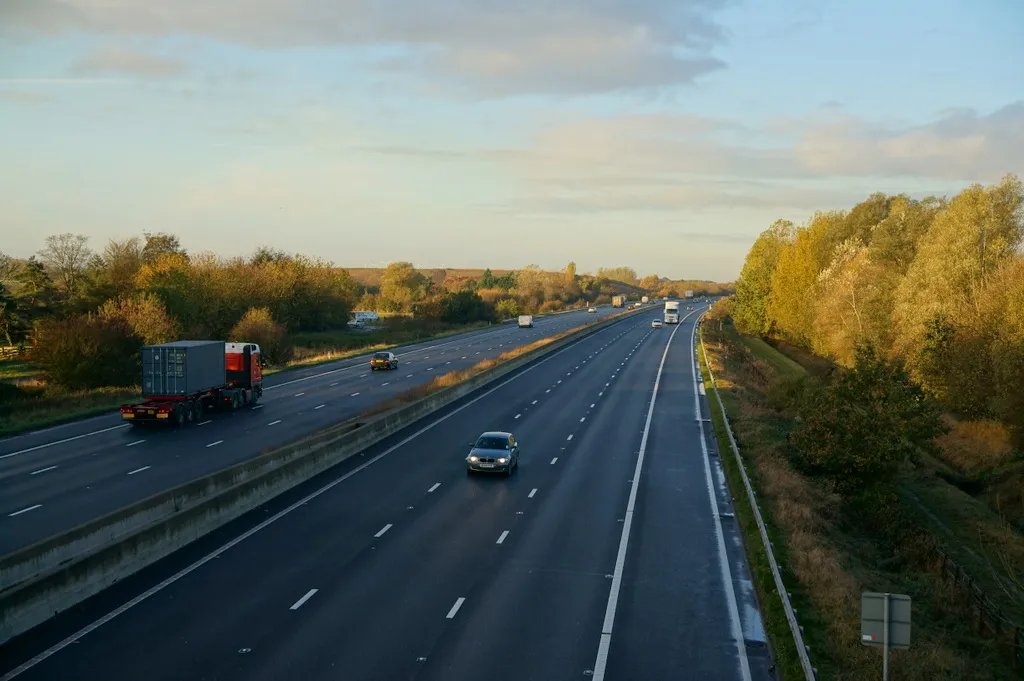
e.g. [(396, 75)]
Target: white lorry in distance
[(645, 300), (672, 312), (689, 294), (525, 321)]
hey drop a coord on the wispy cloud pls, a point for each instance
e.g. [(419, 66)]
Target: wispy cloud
[(58, 81)]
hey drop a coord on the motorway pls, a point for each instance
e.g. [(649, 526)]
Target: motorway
[(58, 478), (611, 553)]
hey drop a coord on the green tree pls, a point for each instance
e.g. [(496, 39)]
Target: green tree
[(487, 280), (755, 282), (507, 308), (159, 245), (464, 307), (87, 352), (863, 423), (402, 283)]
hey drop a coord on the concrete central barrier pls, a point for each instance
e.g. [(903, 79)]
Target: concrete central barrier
[(48, 577)]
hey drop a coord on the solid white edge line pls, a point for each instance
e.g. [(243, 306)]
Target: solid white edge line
[(604, 644), (736, 626), (501, 539), (60, 442), (299, 603), (455, 608), (383, 530), (84, 631)]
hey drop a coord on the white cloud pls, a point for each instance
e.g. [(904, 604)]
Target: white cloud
[(116, 60), (496, 48)]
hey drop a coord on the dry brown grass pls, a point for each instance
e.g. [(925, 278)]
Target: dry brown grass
[(976, 447), (829, 555)]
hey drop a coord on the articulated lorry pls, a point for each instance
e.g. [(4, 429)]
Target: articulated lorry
[(183, 379), (672, 312)]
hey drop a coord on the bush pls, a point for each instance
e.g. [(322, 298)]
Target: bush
[(507, 308), (864, 421), (87, 352), (146, 315), (465, 307), (258, 326)]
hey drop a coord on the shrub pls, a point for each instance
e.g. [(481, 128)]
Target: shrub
[(145, 314), (507, 308), (465, 307), (863, 422), (258, 326), (87, 352)]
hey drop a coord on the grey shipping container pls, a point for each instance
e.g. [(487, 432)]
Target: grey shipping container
[(182, 368)]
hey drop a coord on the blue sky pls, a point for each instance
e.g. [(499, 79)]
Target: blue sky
[(659, 134)]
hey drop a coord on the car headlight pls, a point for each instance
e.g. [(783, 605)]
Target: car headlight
[(502, 460), (474, 458)]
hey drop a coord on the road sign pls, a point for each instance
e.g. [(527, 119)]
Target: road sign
[(885, 623)]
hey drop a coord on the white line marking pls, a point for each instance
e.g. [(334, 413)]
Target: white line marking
[(214, 444), (559, 381), (354, 395), (723, 558), (203, 423), (430, 369), (592, 406), (132, 444), (408, 375), (455, 608), (518, 415), (139, 470), (434, 486), (363, 375), (583, 419), (258, 406), (67, 439), (604, 644), (534, 402), (88, 629), (554, 460), (569, 438), (383, 530), (548, 390), (274, 423), (501, 539), (319, 406), (48, 468), (532, 492), (384, 384), (24, 510), (299, 603), (299, 394), (334, 384)]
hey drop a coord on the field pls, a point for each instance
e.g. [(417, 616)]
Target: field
[(831, 549)]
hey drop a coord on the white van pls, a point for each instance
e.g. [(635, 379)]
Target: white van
[(525, 321)]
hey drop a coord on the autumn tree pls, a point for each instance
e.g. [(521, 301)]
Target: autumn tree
[(67, 256), (87, 351), (627, 275), (161, 244), (755, 283), (403, 284), (145, 314), (651, 282), (257, 325)]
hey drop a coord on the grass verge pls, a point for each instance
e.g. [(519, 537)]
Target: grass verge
[(17, 369), (831, 549), (56, 407)]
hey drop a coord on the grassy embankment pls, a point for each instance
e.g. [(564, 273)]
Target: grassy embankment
[(831, 549)]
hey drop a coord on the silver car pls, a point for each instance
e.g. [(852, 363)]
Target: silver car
[(493, 452)]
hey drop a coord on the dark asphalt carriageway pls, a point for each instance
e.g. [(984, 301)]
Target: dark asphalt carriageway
[(602, 556)]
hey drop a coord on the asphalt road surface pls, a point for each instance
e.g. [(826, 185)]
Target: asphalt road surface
[(56, 479), (610, 553)]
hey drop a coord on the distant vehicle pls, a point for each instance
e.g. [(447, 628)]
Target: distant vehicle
[(689, 294), (591, 310), (384, 361), (655, 323), (365, 316), (356, 323), (493, 452), (645, 300), (181, 380), (672, 312), (618, 301), (525, 321)]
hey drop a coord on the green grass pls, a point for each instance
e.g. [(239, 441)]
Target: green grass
[(785, 366), (58, 407), (773, 612), (15, 369)]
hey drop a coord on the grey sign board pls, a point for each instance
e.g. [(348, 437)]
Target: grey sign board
[(872, 620)]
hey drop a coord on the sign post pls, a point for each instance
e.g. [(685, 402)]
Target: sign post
[(885, 623)]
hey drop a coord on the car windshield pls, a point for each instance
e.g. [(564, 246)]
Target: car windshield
[(381, 355), (491, 443)]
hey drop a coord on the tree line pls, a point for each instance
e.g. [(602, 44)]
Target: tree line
[(934, 286)]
